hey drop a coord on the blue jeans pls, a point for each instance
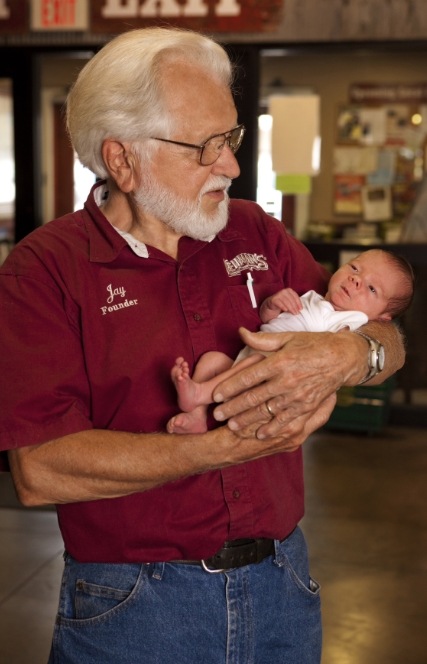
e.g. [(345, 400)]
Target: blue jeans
[(174, 613)]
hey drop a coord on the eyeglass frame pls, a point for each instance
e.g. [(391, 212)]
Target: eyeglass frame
[(201, 147)]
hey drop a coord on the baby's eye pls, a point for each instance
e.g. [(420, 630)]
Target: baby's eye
[(353, 267), (372, 289)]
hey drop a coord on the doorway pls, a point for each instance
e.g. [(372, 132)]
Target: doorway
[(7, 168)]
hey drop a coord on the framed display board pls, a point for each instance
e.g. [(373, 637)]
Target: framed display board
[(378, 159)]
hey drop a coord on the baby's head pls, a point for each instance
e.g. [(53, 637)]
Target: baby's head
[(377, 282), (402, 298)]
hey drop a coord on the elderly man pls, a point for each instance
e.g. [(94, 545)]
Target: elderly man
[(179, 548)]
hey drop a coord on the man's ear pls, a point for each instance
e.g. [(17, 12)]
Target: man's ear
[(119, 163)]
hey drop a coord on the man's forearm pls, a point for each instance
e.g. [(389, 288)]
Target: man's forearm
[(96, 464)]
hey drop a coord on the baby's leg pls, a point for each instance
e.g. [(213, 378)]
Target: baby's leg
[(194, 397), (197, 391)]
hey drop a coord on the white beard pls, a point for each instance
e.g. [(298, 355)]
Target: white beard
[(185, 217)]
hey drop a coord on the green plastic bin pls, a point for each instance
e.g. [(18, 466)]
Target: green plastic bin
[(362, 408)]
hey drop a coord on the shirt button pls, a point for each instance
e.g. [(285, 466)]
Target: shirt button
[(236, 493), (197, 317)]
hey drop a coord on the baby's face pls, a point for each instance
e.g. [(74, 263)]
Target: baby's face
[(365, 284)]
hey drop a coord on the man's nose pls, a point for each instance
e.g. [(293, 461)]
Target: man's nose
[(226, 164)]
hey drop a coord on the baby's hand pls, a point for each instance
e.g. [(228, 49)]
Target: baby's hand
[(285, 300)]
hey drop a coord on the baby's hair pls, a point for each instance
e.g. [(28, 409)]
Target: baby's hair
[(400, 303)]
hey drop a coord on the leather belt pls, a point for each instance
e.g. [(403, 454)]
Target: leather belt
[(236, 553)]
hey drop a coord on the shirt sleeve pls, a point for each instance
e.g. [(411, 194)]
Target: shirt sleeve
[(301, 271), (321, 316), (44, 387), (317, 315), (286, 322)]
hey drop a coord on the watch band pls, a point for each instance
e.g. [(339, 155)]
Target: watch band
[(375, 357)]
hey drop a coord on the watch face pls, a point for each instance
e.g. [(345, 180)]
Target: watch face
[(381, 358)]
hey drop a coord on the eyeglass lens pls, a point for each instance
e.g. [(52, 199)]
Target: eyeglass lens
[(213, 147)]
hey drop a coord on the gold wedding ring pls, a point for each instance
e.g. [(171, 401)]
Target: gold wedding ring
[(269, 409)]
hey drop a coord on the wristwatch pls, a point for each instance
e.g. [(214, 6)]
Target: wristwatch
[(376, 357)]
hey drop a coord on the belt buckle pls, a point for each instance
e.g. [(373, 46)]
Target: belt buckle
[(236, 544), (209, 570)]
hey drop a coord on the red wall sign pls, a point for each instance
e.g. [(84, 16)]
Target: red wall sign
[(114, 16), (203, 15)]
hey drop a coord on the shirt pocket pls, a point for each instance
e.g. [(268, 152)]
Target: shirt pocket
[(242, 309)]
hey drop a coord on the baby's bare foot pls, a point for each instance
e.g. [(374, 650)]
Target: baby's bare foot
[(194, 422), (187, 389), (180, 371)]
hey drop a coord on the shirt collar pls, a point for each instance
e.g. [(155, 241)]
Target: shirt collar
[(138, 247), (107, 241)]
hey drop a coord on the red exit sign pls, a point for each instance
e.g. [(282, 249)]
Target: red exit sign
[(59, 15)]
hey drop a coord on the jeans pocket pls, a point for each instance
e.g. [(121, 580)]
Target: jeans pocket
[(95, 591), (293, 557), (305, 583), (92, 600)]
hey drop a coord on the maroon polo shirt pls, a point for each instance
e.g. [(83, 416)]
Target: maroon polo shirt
[(90, 331)]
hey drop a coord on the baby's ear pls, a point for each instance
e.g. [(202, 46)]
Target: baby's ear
[(384, 316)]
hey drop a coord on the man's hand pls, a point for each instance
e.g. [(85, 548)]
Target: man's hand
[(294, 385), (293, 431)]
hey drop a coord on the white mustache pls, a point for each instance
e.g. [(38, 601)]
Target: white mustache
[(216, 182)]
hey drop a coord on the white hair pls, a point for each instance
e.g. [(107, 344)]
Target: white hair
[(118, 94)]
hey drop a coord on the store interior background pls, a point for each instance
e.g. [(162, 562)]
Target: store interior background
[(365, 490), (327, 71)]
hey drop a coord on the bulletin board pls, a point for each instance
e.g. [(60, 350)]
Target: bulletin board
[(378, 159)]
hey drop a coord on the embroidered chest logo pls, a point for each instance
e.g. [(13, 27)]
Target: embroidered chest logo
[(244, 262), (116, 299)]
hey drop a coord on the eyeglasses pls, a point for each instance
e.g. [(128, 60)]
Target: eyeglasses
[(211, 149)]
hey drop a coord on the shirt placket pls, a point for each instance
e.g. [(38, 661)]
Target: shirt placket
[(237, 495), (196, 310), (235, 480)]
